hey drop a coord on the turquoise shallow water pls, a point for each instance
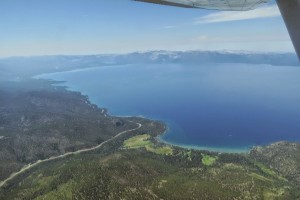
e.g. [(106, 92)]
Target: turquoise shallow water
[(222, 107)]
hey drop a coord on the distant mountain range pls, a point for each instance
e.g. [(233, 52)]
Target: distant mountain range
[(25, 67), (194, 57)]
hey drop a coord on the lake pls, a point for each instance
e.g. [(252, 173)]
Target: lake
[(221, 107)]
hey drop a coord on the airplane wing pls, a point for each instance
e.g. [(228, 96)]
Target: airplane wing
[(168, 3), (290, 11), (233, 5)]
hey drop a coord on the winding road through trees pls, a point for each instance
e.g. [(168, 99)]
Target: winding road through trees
[(29, 166)]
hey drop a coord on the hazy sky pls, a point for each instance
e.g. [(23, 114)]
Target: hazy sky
[(45, 27)]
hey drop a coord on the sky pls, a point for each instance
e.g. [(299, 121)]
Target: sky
[(81, 27)]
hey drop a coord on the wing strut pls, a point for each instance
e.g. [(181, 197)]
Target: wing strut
[(290, 11)]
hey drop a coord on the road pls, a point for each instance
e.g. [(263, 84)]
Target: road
[(29, 166)]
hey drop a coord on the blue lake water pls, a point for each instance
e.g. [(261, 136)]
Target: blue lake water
[(222, 107)]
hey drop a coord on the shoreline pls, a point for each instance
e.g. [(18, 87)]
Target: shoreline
[(206, 148), (241, 150)]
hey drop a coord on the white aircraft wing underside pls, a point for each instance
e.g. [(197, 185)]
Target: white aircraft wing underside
[(234, 5)]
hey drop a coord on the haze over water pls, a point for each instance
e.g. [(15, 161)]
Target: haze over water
[(224, 107)]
